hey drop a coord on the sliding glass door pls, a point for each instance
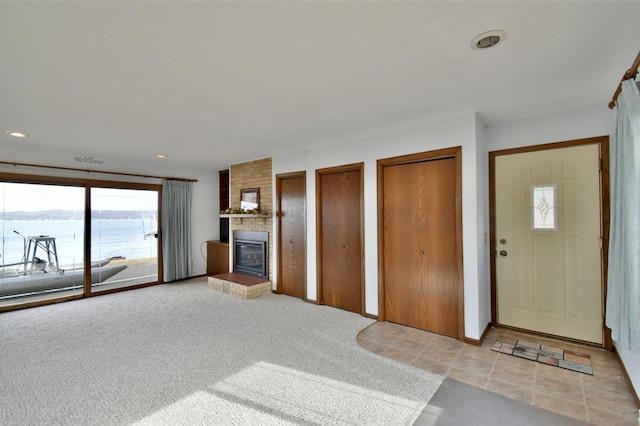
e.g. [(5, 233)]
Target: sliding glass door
[(124, 237), (42, 230), (46, 238)]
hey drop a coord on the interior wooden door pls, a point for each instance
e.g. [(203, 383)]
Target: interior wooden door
[(421, 277), (292, 262), (341, 239), (548, 267)]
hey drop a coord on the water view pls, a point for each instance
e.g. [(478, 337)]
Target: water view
[(43, 239), (127, 238)]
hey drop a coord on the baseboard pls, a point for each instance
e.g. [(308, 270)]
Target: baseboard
[(478, 342), (371, 316), (626, 376)]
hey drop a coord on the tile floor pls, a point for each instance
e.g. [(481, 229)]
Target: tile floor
[(601, 399)]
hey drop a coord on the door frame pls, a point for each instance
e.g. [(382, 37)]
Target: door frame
[(279, 178), (456, 154), (603, 147), (359, 167), (88, 184)]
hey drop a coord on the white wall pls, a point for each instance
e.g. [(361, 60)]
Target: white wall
[(579, 123), (205, 223), (591, 121), (482, 197), (459, 131)]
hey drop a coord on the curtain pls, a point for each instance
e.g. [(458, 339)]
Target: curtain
[(623, 289), (176, 229)]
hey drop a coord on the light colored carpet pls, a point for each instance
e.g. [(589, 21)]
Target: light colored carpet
[(184, 354)]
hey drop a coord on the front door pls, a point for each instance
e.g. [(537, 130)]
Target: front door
[(548, 241)]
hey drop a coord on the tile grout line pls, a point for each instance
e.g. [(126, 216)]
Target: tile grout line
[(493, 367), (535, 383), (453, 362), (584, 399)]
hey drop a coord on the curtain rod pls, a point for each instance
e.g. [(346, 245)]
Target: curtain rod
[(97, 171), (631, 73)]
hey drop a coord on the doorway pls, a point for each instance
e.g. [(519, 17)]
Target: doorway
[(292, 242), (549, 238), (420, 223), (340, 218)]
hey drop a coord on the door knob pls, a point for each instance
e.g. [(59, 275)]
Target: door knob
[(503, 253)]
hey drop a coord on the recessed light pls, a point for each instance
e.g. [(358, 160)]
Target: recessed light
[(488, 39), (16, 134), (161, 156)]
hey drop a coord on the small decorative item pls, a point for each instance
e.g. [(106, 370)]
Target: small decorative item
[(250, 199), (239, 211)]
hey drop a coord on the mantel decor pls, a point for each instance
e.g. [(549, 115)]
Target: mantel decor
[(244, 214), (237, 211)]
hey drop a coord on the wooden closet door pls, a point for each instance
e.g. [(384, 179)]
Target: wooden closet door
[(420, 256), (292, 265), (341, 250)]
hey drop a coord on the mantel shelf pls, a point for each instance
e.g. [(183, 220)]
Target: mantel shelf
[(242, 217)]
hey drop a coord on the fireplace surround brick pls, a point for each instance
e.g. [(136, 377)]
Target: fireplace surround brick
[(252, 174)]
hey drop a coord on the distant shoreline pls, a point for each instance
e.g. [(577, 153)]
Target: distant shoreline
[(79, 215)]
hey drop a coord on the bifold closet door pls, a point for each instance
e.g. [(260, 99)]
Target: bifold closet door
[(420, 258)]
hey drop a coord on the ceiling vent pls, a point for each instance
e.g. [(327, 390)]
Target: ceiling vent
[(488, 39)]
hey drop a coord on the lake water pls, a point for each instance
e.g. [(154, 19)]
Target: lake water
[(110, 237)]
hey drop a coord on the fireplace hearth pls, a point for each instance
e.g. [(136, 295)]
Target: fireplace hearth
[(251, 253)]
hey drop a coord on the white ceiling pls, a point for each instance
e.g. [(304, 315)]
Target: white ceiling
[(214, 83)]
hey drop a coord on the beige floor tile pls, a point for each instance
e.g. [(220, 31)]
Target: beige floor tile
[(480, 352), (599, 397), (419, 336), (561, 406), (602, 399), (401, 356), (430, 364), (511, 390), (383, 338), (543, 370), (375, 347), (503, 374), (372, 329), (608, 417), (607, 369), (553, 388), (469, 377), (477, 366), (447, 343), (615, 384), (410, 346), (397, 329), (438, 352)]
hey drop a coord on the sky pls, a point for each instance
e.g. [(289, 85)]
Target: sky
[(38, 197)]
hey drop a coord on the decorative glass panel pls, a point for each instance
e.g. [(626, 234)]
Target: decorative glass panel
[(543, 207)]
